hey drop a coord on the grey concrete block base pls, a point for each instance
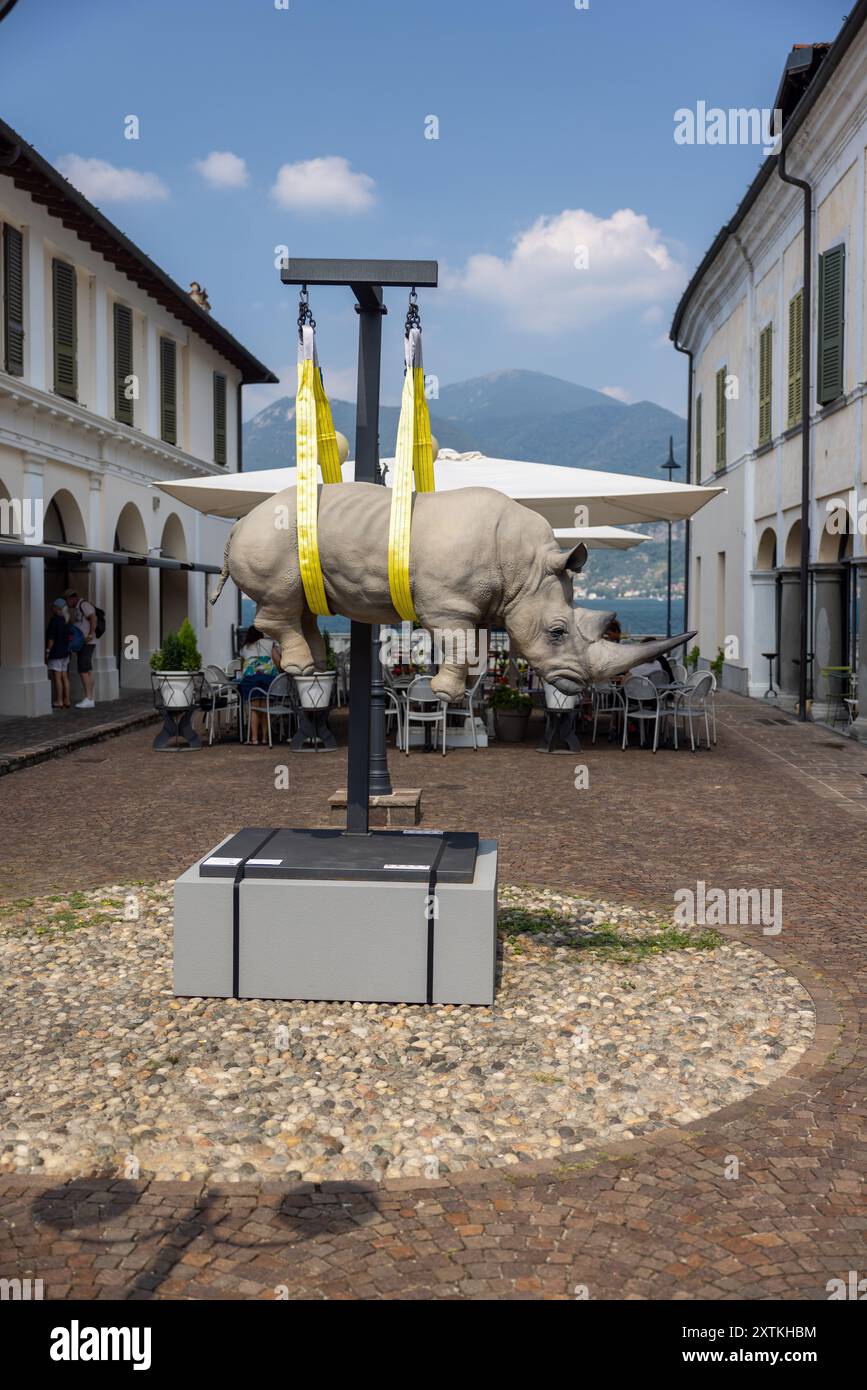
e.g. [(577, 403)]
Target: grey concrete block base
[(342, 940)]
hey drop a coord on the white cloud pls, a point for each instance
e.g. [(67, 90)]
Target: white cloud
[(105, 183), (323, 185), (222, 169), (571, 270), (617, 393)]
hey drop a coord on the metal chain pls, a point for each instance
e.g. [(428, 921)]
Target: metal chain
[(413, 319), (305, 313)]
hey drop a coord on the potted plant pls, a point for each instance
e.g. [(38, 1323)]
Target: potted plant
[(511, 712), (176, 663), (314, 692), (692, 657)]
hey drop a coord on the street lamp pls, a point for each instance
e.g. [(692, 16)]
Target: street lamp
[(669, 467)]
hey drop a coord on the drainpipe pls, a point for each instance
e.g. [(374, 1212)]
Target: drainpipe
[(806, 391), (687, 534)]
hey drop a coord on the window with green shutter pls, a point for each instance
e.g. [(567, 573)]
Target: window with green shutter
[(796, 347), (698, 438), (829, 381), (13, 300), (766, 346), (219, 418), (169, 390), (65, 330), (720, 459), (123, 369)]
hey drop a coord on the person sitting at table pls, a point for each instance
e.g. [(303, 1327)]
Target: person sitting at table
[(261, 663), (647, 668)]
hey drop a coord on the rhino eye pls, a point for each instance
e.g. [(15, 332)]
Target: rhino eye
[(557, 634)]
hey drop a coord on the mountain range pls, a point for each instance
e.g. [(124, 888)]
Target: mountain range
[(523, 415)]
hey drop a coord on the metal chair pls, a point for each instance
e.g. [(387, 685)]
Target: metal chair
[(696, 699), (607, 700), (642, 702), (281, 702), (419, 700), (394, 709), (679, 672), (219, 696), (465, 708), (660, 679)]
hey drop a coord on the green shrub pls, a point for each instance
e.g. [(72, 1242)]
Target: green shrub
[(191, 657), (506, 697), (178, 651)]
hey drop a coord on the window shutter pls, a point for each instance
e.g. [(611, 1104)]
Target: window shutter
[(721, 417), (65, 330), (219, 418), (831, 284), (796, 345), (698, 438), (766, 343), (123, 405), (168, 390), (13, 300)]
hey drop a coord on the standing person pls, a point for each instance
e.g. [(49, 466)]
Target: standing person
[(261, 658), (57, 653), (83, 616)]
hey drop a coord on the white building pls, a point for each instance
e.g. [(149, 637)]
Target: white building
[(743, 318), (111, 378)]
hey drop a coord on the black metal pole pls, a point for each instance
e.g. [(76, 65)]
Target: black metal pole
[(370, 310), (668, 605), (364, 635)]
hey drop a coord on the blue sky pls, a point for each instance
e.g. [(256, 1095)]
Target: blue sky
[(555, 134)]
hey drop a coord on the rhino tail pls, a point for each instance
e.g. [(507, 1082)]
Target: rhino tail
[(224, 572)]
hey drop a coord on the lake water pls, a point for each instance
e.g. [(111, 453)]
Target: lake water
[(637, 615)]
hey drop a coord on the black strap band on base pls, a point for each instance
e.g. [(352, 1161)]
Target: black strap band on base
[(431, 919), (236, 913)]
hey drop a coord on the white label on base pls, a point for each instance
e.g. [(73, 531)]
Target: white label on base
[(406, 866), (218, 863), (270, 862)]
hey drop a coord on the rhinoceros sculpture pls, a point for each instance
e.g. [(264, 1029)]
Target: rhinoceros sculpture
[(478, 560)]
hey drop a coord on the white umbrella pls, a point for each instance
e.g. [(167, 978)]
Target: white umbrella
[(611, 499), (598, 537)]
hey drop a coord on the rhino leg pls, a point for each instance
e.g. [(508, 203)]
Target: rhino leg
[(314, 639), (456, 645), (287, 631)]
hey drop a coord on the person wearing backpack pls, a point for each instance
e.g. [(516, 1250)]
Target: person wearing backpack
[(57, 639), (90, 622)]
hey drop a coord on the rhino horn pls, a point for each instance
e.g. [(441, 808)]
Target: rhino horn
[(607, 659)]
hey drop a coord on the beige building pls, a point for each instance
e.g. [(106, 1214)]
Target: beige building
[(744, 320), (112, 378)]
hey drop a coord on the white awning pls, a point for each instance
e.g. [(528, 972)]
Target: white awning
[(611, 499), (598, 537)]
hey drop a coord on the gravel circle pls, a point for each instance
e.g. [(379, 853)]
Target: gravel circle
[(608, 1024)]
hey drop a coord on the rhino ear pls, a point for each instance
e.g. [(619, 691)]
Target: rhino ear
[(572, 561)]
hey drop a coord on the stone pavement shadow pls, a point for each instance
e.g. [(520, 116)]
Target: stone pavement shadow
[(105, 1213)]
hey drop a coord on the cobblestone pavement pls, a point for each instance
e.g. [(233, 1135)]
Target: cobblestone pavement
[(24, 742), (775, 805)]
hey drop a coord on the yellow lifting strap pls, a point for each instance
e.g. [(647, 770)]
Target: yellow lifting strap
[(315, 448), (413, 459)]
